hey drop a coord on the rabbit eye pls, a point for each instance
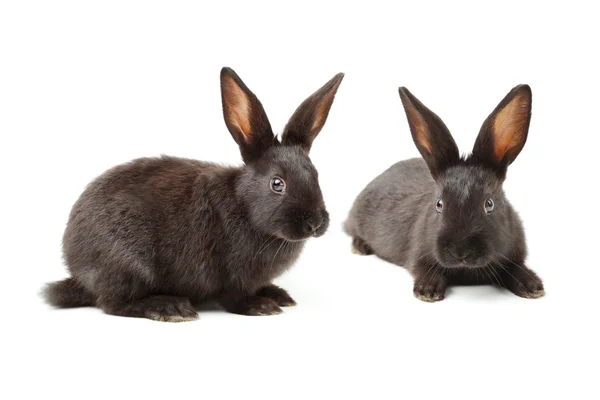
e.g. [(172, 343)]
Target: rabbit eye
[(488, 206), (439, 205), (278, 185)]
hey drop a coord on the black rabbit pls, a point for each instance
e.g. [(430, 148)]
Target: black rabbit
[(444, 217), (154, 237)]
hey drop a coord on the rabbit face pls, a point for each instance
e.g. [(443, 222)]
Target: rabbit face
[(470, 214), (283, 195), (473, 224), (279, 185)]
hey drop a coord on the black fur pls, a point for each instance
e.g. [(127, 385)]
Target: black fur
[(396, 216), (153, 237)]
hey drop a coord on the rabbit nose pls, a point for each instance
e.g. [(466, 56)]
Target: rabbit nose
[(462, 253), (312, 224)]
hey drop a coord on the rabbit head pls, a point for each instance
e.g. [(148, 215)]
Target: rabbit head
[(279, 184), (473, 220)]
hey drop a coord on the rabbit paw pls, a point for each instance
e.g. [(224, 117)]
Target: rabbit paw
[(430, 290), (170, 309), (252, 305), (279, 295), (360, 247), (525, 283), (262, 306)]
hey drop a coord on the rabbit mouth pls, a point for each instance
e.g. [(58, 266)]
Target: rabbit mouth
[(293, 236), (472, 259), (470, 252), (299, 238), (296, 240), (479, 262)]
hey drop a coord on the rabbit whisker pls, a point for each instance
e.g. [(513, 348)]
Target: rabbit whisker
[(284, 243), (484, 269), (515, 264), (508, 272), (496, 276), (263, 248)]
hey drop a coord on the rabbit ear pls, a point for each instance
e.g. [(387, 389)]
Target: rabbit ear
[(430, 134), (504, 132), (309, 118), (244, 116)]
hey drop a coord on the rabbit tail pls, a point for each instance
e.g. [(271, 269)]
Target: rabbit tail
[(68, 293)]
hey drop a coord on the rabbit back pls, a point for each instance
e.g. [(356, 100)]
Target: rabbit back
[(171, 226), (123, 222), (386, 212)]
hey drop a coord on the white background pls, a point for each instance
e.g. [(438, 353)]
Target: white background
[(87, 85)]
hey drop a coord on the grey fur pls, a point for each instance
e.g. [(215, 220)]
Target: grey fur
[(395, 216), (154, 237)]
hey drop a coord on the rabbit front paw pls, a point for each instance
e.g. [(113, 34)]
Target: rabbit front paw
[(279, 295), (251, 305), (260, 306), (524, 282), (430, 289)]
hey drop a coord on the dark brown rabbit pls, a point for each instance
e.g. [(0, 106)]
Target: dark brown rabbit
[(444, 217), (154, 237)]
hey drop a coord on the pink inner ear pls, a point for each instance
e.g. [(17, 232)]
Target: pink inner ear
[(237, 108), (420, 127), (321, 112), (509, 126)]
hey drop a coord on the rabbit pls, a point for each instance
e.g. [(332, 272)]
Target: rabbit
[(155, 237), (445, 217)]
